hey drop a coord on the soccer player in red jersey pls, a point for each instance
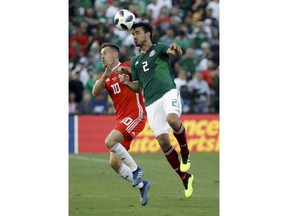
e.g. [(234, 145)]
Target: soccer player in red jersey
[(130, 119)]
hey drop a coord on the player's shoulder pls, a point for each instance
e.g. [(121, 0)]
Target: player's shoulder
[(161, 45), (125, 64)]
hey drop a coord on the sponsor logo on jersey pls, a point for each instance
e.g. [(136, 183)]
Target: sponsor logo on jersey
[(136, 63), (152, 53), (107, 80)]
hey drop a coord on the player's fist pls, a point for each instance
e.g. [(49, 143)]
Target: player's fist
[(174, 46), (124, 78), (122, 69)]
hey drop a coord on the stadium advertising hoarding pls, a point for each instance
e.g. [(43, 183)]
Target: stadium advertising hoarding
[(87, 134)]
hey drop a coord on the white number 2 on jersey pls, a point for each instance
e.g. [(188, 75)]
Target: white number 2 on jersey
[(145, 64)]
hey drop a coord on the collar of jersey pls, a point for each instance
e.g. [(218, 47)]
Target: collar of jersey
[(116, 66), (147, 49)]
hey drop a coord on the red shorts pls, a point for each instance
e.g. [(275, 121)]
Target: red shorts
[(130, 127)]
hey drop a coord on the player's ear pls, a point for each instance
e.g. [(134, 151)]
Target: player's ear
[(148, 33), (115, 54)]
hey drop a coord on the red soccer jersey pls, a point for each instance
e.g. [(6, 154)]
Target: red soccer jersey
[(125, 100)]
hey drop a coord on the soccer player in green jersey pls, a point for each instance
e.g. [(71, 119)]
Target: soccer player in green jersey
[(152, 74)]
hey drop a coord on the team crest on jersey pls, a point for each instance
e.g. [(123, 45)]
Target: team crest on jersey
[(152, 53), (114, 78)]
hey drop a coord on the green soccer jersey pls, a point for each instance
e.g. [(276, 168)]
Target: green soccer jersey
[(153, 70)]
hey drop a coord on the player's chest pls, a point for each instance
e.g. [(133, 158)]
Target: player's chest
[(145, 63), (113, 84)]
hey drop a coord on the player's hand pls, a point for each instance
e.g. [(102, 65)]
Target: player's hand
[(175, 50), (124, 78), (122, 69), (174, 46), (108, 70)]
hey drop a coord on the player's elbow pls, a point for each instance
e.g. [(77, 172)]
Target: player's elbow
[(95, 93)]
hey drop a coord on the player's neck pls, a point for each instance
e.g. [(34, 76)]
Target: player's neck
[(116, 64), (146, 47)]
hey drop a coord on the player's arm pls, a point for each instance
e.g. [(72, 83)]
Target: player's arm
[(174, 50), (134, 86), (98, 86)]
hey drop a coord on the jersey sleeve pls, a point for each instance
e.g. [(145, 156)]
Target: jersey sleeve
[(163, 47), (133, 70)]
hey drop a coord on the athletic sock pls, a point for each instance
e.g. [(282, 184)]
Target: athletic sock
[(126, 173), (181, 138), (173, 160), (123, 154)]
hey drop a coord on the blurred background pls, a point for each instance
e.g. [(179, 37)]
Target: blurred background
[(193, 25)]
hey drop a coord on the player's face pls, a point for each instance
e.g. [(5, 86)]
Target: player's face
[(107, 55), (139, 36)]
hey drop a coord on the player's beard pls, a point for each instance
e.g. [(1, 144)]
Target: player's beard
[(136, 43), (140, 44)]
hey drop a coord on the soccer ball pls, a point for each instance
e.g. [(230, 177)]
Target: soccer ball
[(124, 19)]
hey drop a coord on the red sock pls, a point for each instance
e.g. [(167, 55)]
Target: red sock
[(173, 160), (181, 138)]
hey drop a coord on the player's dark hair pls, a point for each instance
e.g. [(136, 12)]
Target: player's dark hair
[(145, 26), (112, 46)]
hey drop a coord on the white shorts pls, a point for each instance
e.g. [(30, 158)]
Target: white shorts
[(157, 111)]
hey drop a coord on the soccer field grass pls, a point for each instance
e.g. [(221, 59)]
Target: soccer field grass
[(95, 189)]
